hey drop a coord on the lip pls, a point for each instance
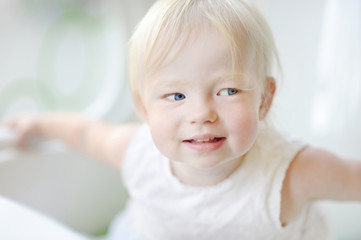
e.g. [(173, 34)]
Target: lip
[(205, 143)]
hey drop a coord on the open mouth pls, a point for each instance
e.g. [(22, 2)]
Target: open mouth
[(205, 140), (205, 144)]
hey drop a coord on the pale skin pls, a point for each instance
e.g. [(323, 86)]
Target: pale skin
[(197, 91)]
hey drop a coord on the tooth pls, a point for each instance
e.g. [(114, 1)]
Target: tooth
[(204, 140)]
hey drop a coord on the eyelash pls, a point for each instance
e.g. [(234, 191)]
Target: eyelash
[(180, 96)]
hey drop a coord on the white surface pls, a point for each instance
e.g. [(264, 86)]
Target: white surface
[(18, 222), (67, 186), (7, 138)]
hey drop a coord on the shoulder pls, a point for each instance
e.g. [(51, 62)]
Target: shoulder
[(317, 174), (117, 141)]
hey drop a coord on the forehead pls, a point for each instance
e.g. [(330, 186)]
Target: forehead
[(206, 54), (205, 50), (205, 58), (200, 36)]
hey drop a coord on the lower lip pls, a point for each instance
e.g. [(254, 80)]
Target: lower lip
[(205, 146)]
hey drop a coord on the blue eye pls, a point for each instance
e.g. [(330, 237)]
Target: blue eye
[(228, 92), (232, 91), (176, 96)]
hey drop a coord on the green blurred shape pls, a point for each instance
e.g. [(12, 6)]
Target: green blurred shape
[(92, 31)]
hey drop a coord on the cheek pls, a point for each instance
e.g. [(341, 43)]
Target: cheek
[(163, 129), (159, 126), (244, 126), (164, 140), (160, 134), (243, 115), (160, 119)]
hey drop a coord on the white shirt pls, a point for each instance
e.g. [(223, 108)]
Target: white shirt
[(244, 206)]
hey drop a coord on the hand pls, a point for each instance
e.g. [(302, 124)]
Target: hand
[(7, 138), (23, 128)]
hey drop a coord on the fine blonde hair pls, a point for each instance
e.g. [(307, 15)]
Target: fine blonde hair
[(249, 37)]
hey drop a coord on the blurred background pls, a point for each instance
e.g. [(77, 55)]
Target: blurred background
[(72, 54)]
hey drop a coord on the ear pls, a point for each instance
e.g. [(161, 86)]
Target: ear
[(267, 97), (140, 108)]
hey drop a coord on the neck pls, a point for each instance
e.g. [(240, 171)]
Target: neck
[(204, 176)]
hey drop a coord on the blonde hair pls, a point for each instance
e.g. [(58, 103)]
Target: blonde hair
[(169, 21)]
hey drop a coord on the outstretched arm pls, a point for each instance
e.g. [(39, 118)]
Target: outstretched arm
[(101, 140), (317, 174)]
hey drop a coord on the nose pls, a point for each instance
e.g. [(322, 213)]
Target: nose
[(201, 112)]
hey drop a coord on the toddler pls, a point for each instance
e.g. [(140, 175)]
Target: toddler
[(206, 164)]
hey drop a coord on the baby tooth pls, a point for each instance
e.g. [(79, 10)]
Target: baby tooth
[(204, 140)]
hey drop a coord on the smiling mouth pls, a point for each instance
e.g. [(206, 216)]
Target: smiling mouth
[(205, 140), (202, 145)]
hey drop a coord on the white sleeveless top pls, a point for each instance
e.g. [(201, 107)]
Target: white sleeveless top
[(244, 206)]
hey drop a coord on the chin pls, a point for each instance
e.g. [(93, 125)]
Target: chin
[(204, 163)]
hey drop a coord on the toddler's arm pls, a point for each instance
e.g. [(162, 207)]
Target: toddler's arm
[(316, 174), (101, 140)]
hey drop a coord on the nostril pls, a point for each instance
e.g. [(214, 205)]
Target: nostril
[(203, 117)]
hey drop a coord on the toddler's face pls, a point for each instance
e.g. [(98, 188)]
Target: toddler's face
[(200, 113)]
